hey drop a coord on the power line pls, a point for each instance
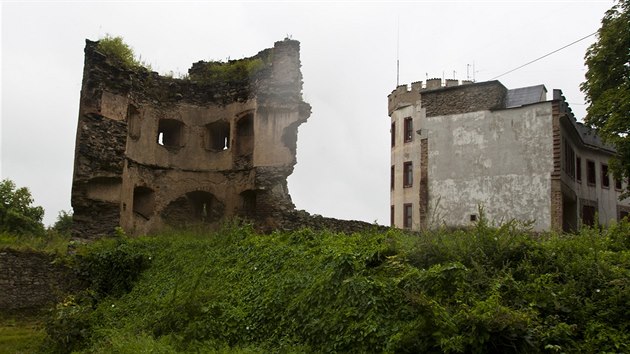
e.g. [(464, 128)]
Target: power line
[(544, 56)]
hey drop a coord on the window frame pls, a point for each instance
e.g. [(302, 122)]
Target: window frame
[(408, 129), (407, 215), (392, 178), (605, 176), (393, 134), (591, 173), (408, 174)]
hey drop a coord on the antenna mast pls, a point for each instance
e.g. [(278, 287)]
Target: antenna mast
[(398, 53)]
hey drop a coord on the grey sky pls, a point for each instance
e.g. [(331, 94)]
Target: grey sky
[(348, 52)]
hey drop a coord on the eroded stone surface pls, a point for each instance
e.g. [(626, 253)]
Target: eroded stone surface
[(154, 151)]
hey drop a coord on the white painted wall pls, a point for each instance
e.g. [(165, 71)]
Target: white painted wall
[(401, 153), (500, 160)]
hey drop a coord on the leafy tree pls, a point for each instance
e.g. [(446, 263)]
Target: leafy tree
[(63, 225), (607, 85), (17, 214)]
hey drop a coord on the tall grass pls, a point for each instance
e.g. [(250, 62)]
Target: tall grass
[(481, 290)]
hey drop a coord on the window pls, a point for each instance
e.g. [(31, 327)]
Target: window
[(407, 216), (408, 129), (605, 177), (590, 172), (618, 184), (588, 215), (407, 174), (578, 169), (143, 201), (218, 136), (170, 133), (569, 159), (391, 177), (623, 214), (393, 133), (391, 216)]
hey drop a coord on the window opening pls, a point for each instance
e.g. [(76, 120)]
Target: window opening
[(618, 184), (578, 169), (407, 216), (218, 136), (588, 215), (170, 133), (569, 159), (590, 172), (245, 134), (248, 203), (605, 177), (393, 134), (143, 201), (392, 177), (391, 216), (408, 129), (473, 217), (407, 175)]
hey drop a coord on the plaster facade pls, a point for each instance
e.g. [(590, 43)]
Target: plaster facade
[(508, 151)]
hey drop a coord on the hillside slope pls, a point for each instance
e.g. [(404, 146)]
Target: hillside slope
[(483, 290)]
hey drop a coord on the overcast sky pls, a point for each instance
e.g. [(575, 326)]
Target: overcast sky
[(348, 52)]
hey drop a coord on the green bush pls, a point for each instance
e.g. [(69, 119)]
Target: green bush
[(115, 49), (483, 290)]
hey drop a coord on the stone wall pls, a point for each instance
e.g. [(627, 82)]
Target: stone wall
[(483, 96), (154, 151), (31, 280)]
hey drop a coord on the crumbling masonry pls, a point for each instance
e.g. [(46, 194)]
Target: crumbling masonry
[(153, 151)]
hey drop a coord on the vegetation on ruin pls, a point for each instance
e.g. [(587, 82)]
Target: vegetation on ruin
[(241, 70), (115, 49), (482, 290), (607, 85)]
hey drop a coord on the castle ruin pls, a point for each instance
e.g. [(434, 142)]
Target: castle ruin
[(155, 151)]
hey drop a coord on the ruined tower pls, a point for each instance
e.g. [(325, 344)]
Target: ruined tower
[(153, 151)]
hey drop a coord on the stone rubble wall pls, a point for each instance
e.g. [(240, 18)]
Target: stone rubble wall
[(30, 280)]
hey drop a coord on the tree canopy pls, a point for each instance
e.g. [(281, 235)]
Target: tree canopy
[(607, 85), (17, 214)]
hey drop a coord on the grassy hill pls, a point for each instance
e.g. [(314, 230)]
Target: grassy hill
[(483, 290)]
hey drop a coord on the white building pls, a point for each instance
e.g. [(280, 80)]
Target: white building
[(520, 156)]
